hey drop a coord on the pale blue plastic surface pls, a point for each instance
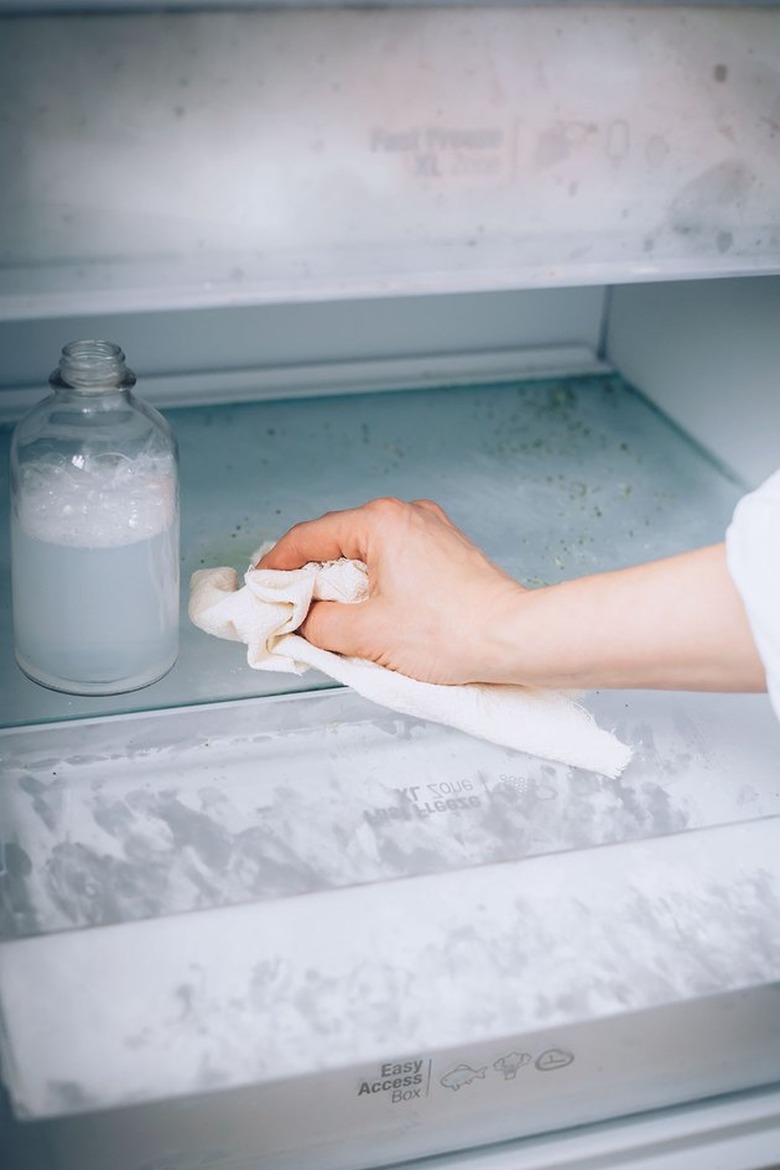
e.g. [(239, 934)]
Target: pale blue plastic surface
[(553, 479)]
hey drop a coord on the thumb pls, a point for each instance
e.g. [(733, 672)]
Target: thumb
[(337, 626)]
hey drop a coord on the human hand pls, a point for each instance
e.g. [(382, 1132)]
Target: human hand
[(440, 611), (436, 604)]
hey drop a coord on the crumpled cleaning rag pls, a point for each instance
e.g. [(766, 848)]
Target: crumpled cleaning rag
[(266, 611)]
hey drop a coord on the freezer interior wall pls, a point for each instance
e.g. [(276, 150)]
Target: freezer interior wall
[(706, 352)]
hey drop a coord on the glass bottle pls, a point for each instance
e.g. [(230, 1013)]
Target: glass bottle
[(94, 531)]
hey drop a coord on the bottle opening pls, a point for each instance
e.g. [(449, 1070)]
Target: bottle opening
[(93, 364)]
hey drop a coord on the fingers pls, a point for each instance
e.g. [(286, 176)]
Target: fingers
[(332, 625), (424, 574), (350, 533), (332, 536)]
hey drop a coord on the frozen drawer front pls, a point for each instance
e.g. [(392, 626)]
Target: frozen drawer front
[(472, 1007), (201, 158), (396, 939)]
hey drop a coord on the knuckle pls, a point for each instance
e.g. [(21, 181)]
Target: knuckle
[(303, 527), (386, 506), (431, 506), (297, 530)]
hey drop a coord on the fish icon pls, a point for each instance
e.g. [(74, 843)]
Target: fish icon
[(462, 1074)]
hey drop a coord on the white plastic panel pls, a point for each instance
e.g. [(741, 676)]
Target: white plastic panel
[(602, 958), (27, 6), (182, 158), (708, 353), (257, 351)]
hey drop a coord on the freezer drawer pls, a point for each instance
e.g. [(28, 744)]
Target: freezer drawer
[(298, 933), (287, 931)]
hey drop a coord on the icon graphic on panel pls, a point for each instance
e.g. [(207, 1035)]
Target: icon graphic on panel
[(462, 1074), (553, 1058), (510, 1065)]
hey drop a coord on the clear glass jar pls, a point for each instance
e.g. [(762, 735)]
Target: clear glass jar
[(94, 531)]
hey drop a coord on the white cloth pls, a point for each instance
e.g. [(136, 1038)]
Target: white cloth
[(270, 606), (753, 557)]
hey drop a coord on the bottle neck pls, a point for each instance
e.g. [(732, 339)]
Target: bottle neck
[(92, 368)]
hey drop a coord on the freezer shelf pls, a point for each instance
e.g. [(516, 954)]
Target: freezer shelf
[(145, 816), (403, 151), (552, 478)]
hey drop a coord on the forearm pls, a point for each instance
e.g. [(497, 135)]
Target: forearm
[(440, 611), (677, 623)]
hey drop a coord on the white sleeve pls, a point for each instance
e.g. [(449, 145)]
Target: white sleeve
[(753, 557)]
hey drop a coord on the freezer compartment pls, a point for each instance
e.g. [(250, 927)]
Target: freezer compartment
[(224, 914), (553, 477)]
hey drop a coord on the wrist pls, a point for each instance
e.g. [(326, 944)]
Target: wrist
[(515, 653)]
